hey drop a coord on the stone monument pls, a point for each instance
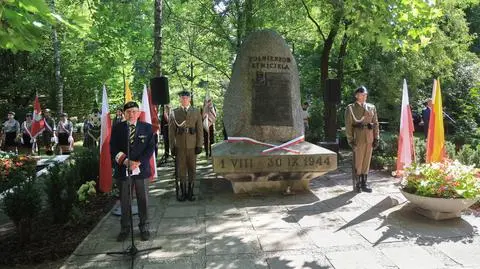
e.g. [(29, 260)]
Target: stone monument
[(266, 150)]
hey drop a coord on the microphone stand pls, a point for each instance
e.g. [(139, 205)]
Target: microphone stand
[(132, 250)]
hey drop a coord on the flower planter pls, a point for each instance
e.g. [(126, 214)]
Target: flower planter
[(438, 208)]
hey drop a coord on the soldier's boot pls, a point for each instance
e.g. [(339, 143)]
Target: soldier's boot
[(364, 186), (183, 192), (358, 181), (190, 197)]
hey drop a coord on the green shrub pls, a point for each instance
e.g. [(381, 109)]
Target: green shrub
[(21, 196), (384, 157), (61, 190), (469, 155), (87, 162), (22, 204)]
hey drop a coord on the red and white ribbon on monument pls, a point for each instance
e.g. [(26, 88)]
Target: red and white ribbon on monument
[(273, 147)]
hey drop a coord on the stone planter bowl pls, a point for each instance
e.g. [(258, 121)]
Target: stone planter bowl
[(438, 208)]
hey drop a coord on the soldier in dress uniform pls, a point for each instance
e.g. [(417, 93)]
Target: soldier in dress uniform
[(48, 136), (131, 147), (26, 129), (65, 134), (361, 124), (10, 133), (186, 139)]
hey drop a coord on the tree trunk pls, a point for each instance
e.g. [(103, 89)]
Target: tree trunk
[(330, 108), (57, 60), (248, 12), (157, 42), (240, 24)]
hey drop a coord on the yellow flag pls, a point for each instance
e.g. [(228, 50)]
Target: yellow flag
[(128, 93), (436, 135)]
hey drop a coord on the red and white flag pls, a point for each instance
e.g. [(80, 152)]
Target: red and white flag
[(105, 172), (406, 148), (146, 117), (38, 124)]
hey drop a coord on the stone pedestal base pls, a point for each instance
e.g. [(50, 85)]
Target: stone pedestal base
[(271, 186), (252, 171), (436, 215)]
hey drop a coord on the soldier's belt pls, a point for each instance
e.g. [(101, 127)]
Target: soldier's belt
[(185, 130), (364, 125)]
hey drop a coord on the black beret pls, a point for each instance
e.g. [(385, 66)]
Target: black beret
[(361, 89), (184, 93), (130, 105)]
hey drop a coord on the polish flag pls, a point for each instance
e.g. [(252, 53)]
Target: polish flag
[(145, 116), (38, 123), (406, 147), (105, 172)]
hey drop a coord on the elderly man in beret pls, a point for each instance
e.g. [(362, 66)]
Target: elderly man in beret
[(185, 130), (361, 125), (131, 147)]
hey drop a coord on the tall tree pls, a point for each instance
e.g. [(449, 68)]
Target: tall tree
[(157, 43), (57, 63)]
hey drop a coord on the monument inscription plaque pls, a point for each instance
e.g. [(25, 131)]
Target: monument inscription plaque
[(272, 102)]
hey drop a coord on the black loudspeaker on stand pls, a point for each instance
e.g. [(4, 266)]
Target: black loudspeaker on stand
[(160, 92), (132, 250)]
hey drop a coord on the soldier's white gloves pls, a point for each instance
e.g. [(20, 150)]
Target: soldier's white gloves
[(70, 139)]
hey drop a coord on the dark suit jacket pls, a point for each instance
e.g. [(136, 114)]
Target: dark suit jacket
[(141, 150)]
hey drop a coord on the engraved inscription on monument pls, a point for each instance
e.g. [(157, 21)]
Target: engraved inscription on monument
[(286, 163), (271, 100)]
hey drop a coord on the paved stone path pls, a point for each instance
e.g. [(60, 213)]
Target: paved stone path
[(329, 227)]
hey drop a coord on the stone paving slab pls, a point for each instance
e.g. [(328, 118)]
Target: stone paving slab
[(232, 243), (278, 240), (298, 262), (408, 257), (329, 227), (356, 259)]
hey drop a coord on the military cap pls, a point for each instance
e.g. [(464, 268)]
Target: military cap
[(11, 113), (63, 114), (130, 105), (184, 93), (361, 89), (28, 114)]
